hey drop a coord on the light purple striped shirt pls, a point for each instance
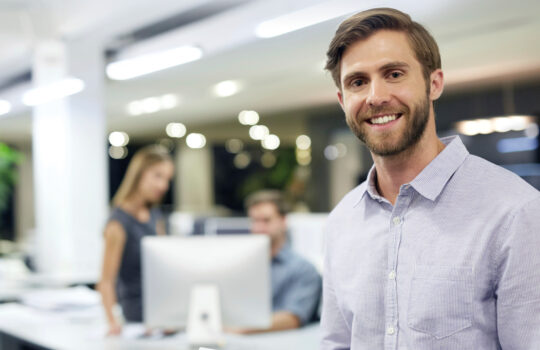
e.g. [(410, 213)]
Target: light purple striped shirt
[(454, 264)]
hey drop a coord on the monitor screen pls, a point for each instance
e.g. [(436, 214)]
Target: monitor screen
[(238, 265)]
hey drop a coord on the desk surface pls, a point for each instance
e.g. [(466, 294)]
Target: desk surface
[(83, 330)]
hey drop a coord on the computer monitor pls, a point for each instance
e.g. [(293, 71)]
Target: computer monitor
[(238, 265)]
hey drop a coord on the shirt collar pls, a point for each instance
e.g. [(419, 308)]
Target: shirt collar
[(432, 179), (283, 254)]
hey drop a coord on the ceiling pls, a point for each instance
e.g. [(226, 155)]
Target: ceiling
[(481, 41)]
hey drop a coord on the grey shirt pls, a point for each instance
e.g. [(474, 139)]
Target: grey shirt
[(296, 285), (454, 264)]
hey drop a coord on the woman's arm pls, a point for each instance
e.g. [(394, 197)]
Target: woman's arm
[(160, 227), (115, 238)]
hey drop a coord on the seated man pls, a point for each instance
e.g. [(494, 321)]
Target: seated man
[(296, 284)]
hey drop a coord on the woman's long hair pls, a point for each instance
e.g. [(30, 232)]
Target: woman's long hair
[(142, 160)]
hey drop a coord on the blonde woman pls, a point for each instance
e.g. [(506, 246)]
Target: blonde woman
[(134, 215)]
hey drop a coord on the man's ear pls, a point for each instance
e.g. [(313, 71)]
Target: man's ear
[(436, 84), (340, 99)]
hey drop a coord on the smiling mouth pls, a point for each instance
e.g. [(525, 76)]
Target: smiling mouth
[(384, 119)]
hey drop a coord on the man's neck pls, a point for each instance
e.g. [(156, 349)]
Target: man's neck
[(277, 246), (394, 171)]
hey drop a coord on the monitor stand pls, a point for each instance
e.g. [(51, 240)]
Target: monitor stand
[(204, 327)]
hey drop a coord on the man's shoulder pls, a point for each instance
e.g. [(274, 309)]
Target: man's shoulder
[(299, 264), (483, 176)]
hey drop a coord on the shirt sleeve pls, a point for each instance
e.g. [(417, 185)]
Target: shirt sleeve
[(336, 333), (303, 294), (518, 280)]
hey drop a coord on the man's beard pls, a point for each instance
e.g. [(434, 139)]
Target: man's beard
[(416, 125)]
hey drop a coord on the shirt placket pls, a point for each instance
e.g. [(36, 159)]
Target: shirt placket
[(395, 231)]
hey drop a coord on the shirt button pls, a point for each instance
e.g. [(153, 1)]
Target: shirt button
[(390, 330), (392, 275), (396, 220)]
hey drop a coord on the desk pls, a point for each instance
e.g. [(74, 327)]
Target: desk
[(79, 331)]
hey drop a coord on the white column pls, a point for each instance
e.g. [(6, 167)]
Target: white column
[(70, 160), (194, 179)]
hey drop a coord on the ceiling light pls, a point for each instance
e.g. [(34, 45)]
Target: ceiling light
[(331, 152), (305, 18), (468, 127), (176, 130), (116, 152), (195, 140), (135, 108), (484, 126), (519, 122), (268, 159), (303, 142), (54, 91), (118, 138), (258, 132), (226, 88), (303, 157), (151, 105), (248, 117), (169, 101), (5, 107), (145, 64), (234, 145), (271, 142), (501, 124), (242, 160), (498, 124)]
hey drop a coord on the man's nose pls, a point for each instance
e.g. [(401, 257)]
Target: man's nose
[(378, 93)]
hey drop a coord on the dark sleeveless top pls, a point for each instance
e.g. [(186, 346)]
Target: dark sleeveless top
[(129, 282)]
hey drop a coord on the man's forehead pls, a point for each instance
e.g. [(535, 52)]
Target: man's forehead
[(264, 206), (377, 50)]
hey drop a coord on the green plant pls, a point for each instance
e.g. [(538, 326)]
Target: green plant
[(9, 158)]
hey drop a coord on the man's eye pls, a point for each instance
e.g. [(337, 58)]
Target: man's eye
[(357, 82), (396, 74)]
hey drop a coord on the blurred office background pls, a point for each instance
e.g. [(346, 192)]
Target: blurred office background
[(249, 108)]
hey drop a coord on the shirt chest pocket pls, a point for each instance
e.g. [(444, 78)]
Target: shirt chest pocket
[(441, 300)]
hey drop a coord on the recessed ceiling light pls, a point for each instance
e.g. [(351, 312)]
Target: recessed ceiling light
[(176, 130), (270, 142), (54, 91), (118, 138), (226, 88), (195, 140), (149, 63)]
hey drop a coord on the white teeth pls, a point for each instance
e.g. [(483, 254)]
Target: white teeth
[(384, 119)]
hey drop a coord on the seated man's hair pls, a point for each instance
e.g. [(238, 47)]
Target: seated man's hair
[(275, 197)]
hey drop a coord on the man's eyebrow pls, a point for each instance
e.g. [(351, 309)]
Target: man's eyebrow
[(393, 65), (352, 75), (386, 67)]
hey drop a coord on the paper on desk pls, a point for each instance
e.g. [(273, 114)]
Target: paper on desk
[(63, 299)]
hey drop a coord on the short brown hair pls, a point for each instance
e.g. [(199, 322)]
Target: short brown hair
[(268, 196), (363, 24)]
